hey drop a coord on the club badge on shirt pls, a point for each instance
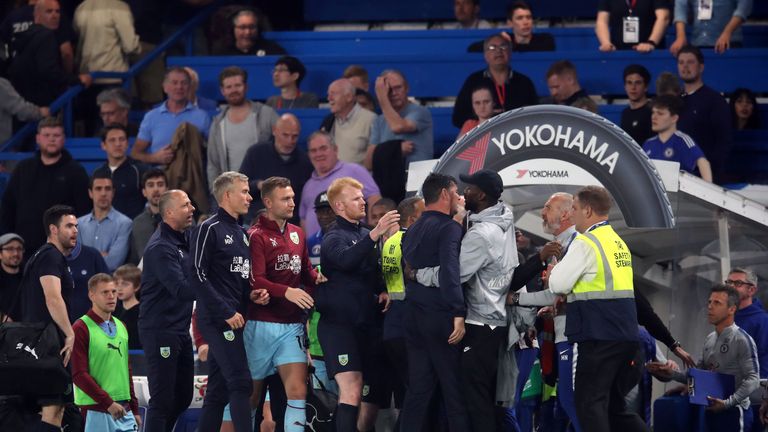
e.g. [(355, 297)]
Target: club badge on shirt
[(229, 335), (294, 237), (165, 352)]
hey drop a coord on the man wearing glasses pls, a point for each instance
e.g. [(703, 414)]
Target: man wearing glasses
[(751, 317), (509, 89), (11, 255)]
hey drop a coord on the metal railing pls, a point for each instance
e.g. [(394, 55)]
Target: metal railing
[(64, 102)]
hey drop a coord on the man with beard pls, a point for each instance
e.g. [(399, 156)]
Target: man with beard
[(487, 261), (153, 186), (166, 312), (52, 176), (45, 298), (706, 116), (240, 124), (11, 254)]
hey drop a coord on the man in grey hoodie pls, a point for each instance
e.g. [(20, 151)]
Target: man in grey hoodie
[(239, 125), (487, 262)]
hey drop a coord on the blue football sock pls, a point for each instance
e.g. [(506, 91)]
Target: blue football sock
[(295, 415)]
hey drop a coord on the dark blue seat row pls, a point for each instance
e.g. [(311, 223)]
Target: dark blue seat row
[(430, 10), (437, 75), (301, 43)]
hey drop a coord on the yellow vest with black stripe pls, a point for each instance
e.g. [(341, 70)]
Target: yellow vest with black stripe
[(391, 266), (604, 308)]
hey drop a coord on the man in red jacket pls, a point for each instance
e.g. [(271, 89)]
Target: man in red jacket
[(274, 334)]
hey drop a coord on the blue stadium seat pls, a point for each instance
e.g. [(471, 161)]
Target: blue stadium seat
[(437, 75)]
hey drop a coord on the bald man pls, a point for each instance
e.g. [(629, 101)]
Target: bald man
[(240, 124), (349, 123), (279, 157)]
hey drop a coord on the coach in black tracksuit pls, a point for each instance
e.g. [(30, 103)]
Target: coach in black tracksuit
[(434, 317), (221, 278), (165, 312), (348, 329)]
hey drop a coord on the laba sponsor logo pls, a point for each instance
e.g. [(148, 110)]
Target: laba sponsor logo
[(558, 136), (542, 173)]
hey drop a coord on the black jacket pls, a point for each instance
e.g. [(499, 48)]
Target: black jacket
[(350, 261), (36, 71), (518, 92), (35, 187), (222, 268), (166, 295)]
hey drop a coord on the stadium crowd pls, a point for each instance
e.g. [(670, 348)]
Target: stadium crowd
[(314, 266)]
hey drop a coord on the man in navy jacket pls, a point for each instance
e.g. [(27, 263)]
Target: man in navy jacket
[(348, 329), (222, 268), (165, 313)]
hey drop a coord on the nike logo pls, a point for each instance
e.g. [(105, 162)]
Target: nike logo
[(466, 348)]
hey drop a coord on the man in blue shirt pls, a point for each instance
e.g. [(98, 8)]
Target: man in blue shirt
[(671, 144), (153, 142), (105, 228), (716, 23), (401, 119)]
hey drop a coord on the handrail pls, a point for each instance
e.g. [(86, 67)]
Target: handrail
[(64, 102)]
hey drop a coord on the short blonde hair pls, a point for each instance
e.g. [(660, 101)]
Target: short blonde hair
[(224, 181), (334, 190)]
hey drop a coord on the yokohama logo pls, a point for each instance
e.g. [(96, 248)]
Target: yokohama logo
[(542, 173), (475, 155)]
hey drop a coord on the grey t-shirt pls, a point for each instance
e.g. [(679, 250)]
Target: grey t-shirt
[(239, 138)]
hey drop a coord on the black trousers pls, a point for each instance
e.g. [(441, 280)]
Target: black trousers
[(605, 372), (170, 372), (479, 361), (229, 379), (432, 361), (398, 360)]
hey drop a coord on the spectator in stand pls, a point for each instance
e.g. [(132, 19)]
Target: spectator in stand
[(358, 76), (125, 172), (668, 83), (751, 317), (37, 71), (623, 25), (717, 26), (153, 142), (114, 105), (706, 117), (586, 103), (208, 105), (365, 100), (153, 185), (279, 158), (240, 124), (744, 110), (107, 37), (52, 176), (522, 37), (563, 83), (636, 118), (247, 38), (128, 280), (11, 274), (324, 156), (482, 106), (13, 105), (511, 89), (401, 119), (105, 228), (287, 76), (22, 18), (467, 13), (349, 124), (671, 144)]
